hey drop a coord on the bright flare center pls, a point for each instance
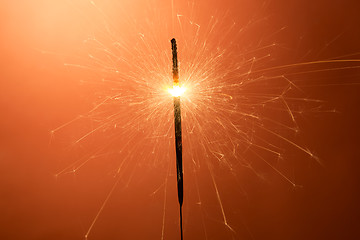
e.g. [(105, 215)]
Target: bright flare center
[(176, 91)]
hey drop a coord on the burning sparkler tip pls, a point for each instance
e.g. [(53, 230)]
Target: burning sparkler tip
[(176, 90)]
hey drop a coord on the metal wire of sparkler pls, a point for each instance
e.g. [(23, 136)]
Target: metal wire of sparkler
[(178, 140)]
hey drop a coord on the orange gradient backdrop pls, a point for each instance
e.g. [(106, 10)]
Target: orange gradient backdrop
[(41, 90)]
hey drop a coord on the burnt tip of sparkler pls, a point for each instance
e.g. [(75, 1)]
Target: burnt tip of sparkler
[(173, 44), (175, 62)]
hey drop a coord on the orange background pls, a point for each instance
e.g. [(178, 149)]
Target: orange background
[(38, 93)]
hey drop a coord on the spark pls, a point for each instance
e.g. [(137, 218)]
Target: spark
[(177, 91)]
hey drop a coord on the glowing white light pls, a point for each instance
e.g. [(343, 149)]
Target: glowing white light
[(176, 91)]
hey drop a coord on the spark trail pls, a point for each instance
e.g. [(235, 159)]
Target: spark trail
[(242, 112)]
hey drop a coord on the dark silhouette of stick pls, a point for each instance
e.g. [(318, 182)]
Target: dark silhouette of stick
[(178, 140)]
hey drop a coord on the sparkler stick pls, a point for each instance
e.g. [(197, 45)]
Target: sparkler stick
[(177, 119)]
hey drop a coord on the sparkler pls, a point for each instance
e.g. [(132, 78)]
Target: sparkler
[(242, 107), (177, 120)]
